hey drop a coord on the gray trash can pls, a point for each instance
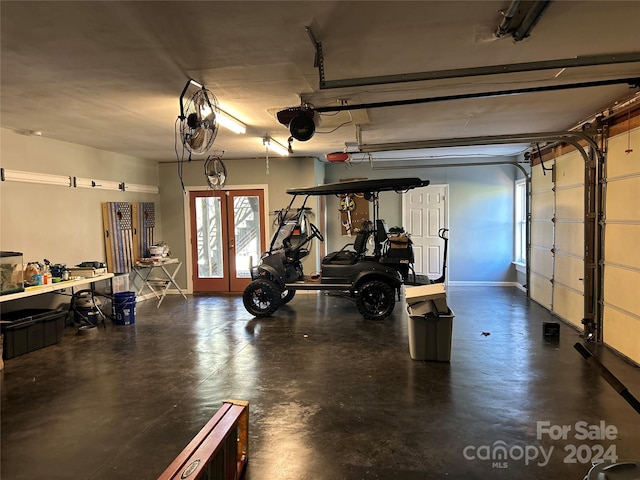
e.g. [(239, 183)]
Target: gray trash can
[(430, 336)]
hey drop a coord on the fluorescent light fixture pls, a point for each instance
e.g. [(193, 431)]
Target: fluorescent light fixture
[(227, 121), (275, 147), (193, 82), (224, 119), (32, 177)]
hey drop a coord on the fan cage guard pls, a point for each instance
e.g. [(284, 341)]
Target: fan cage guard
[(215, 172), (198, 124)]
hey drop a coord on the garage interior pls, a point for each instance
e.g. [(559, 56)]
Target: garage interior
[(524, 117)]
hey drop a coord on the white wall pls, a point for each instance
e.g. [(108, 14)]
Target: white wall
[(284, 173), (481, 215), (63, 224)]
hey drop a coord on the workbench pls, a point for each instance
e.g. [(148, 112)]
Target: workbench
[(55, 287), (158, 285)]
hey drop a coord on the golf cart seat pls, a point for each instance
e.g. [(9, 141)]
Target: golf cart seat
[(381, 238), (349, 257)]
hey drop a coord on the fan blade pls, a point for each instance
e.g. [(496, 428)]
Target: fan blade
[(196, 140), (220, 171)]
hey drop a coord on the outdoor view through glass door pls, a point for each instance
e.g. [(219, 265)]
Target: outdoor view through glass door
[(226, 233)]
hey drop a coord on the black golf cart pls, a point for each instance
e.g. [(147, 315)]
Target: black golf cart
[(373, 279)]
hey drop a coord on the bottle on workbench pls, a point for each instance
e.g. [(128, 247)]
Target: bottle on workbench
[(47, 277)]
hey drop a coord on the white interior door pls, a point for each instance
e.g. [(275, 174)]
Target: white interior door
[(424, 213)]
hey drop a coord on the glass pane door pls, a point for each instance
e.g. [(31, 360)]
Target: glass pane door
[(227, 235), (209, 250), (247, 227), (209, 228)]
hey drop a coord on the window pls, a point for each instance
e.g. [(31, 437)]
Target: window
[(520, 221)]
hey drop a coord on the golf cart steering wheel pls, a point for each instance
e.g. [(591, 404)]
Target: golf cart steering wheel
[(315, 232)]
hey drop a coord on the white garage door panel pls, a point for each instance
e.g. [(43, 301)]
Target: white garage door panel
[(621, 314), (620, 163), (542, 262), (540, 290), (570, 170), (569, 271), (540, 180), (623, 245), (542, 206), (622, 332), (570, 203), (568, 304), (568, 268), (570, 238), (542, 211), (622, 288), (623, 199), (542, 234)]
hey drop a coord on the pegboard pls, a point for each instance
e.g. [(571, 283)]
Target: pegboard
[(359, 212)]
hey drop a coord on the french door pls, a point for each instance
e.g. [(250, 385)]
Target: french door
[(227, 234)]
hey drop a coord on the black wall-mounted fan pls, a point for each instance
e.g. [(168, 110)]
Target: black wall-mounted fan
[(198, 119), (215, 171)]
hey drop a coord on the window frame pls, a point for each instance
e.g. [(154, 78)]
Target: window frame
[(520, 222)]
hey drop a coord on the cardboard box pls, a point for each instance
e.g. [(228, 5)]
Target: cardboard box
[(86, 272), (399, 241), (426, 299)]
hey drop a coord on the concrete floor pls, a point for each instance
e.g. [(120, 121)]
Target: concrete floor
[(332, 396)]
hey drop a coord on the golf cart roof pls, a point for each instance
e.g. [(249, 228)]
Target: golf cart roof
[(362, 186)]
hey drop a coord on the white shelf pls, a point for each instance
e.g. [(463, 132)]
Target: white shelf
[(40, 289)]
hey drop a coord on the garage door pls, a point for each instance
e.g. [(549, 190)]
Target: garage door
[(621, 312), (542, 233), (557, 236), (568, 265)]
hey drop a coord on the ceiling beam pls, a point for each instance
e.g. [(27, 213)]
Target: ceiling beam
[(571, 137), (633, 82), (586, 61)]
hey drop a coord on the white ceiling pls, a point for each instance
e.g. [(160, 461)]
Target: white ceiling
[(109, 74)]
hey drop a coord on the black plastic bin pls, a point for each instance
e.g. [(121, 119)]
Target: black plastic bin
[(31, 329)]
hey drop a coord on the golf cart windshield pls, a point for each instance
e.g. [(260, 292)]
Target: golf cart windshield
[(292, 229)]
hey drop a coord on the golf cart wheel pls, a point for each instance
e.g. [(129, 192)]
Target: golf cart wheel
[(287, 296), (261, 298), (375, 300)]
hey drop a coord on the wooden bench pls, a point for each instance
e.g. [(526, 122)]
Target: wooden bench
[(220, 451)]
